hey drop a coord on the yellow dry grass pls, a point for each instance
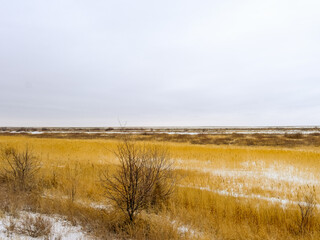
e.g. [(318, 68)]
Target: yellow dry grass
[(224, 192)]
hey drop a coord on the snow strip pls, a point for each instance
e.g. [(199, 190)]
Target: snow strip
[(283, 202), (287, 175)]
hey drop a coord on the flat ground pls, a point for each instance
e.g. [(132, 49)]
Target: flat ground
[(230, 189), (274, 136)]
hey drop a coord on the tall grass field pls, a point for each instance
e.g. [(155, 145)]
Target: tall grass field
[(221, 191)]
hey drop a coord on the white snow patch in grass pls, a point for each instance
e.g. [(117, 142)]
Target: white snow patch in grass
[(36, 132), (184, 229), (275, 173), (61, 228)]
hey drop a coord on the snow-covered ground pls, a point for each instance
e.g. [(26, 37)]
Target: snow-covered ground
[(60, 228)]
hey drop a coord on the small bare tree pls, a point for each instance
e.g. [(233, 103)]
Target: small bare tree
[(307, 204), (19, 167), (144, 171)]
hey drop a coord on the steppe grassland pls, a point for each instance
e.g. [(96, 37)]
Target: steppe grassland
[(226, 192)]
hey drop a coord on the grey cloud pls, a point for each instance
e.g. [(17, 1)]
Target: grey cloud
[(88, 63)]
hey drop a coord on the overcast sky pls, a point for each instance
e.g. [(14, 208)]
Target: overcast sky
[(159, 63)]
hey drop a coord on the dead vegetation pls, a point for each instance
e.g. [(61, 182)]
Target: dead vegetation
[(143, 178), (34, 226), (19, 168), (203, 136), (69, 178), (307, 206)]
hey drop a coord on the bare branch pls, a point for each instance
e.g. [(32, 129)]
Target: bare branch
[(144, 177), (19, 167)]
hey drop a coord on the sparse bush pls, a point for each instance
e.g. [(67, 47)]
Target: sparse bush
[(307, 205), (19, 168), (34, 226), (144, 177), (10, 226)]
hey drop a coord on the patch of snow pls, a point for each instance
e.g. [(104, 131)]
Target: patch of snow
[(275, 173), (36, 132), (61, 228), (184, 229)]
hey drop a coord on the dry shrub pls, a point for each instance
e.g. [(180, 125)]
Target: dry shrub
[(19, 168), (10, 226), (307, 206), (34, 226), (19, 177), (144, 177)]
